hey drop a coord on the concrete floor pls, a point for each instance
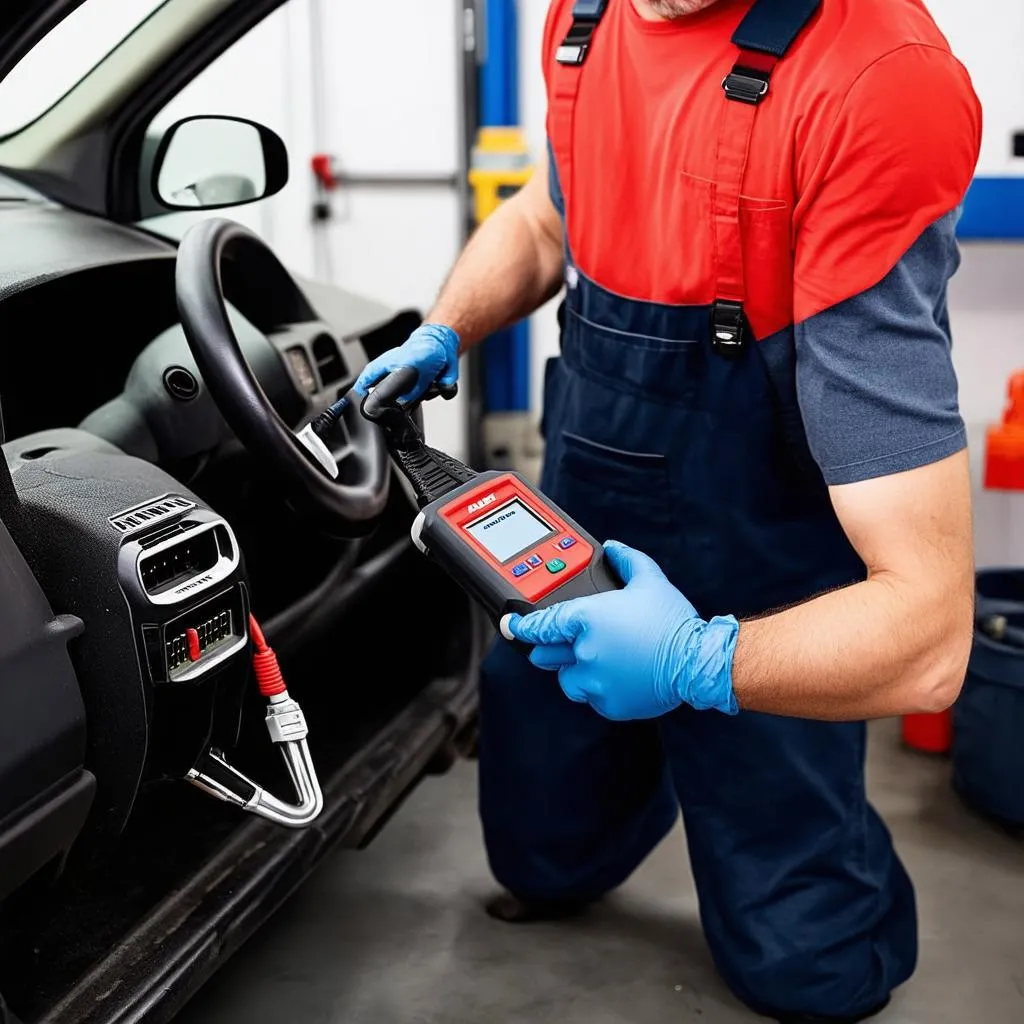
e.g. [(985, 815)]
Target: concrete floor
[(396, 934)]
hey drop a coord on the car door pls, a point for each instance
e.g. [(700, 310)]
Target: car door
[(45, 793)]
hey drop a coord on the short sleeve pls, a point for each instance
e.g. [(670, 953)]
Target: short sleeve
[(874, 373), (898, 156)]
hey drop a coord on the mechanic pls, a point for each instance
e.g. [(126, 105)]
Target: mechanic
[(755, 390)]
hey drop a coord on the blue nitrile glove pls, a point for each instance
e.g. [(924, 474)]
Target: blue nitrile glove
[(634, 653), (432, 349)]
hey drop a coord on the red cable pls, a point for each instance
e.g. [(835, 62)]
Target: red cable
[(264, 663)]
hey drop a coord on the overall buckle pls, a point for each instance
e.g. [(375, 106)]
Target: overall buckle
[(727, 329), (586, 16), (746, 85), (575, 46)]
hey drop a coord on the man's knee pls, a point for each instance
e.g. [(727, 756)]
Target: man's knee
[(803, 969), (570, 803), (801, 984), (562, 854)]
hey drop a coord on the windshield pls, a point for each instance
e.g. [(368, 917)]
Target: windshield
[(60, 60)]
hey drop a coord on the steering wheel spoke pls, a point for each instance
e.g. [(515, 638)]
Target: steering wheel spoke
[(355, 500)]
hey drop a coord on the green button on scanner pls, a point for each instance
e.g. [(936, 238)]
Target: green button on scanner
[(556, 565)]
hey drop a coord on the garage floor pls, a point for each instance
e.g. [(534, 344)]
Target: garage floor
[(396, 933)]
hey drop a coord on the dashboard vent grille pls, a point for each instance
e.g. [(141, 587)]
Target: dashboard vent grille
[(328, 360), (150, 513)]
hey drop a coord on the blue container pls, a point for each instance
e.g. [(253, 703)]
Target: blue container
[(988, 719)]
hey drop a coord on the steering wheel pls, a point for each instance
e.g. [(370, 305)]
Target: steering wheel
[(359, 495)]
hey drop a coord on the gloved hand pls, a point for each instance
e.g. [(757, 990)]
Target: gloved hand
[(432, 349), (634, 653)]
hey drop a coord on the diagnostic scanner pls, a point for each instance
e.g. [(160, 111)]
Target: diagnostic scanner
[(510, 548), (499, 538)]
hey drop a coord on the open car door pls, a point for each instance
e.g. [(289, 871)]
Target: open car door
[(45, 793)]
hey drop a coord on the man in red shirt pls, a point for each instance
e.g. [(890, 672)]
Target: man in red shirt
[(752, 206)]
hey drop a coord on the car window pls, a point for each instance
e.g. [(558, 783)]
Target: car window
[(65, 56), (228, 87)]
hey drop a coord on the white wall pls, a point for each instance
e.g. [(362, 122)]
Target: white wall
[(533, 111), (392, 108), (988, 36), (262, 77), (987, 306), (987, 296)]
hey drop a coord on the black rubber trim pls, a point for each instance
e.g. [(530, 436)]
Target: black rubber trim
[(46, 830)]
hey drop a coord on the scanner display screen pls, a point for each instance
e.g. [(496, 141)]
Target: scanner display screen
[(509, 530)]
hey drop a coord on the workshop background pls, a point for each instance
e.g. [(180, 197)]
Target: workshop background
[(381, 91), (327, 74)]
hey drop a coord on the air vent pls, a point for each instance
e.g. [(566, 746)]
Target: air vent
[(301, 369), (147, 515), (328, 360)]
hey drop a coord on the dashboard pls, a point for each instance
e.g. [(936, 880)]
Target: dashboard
[(90, 338), (89, 334), (119, 464)]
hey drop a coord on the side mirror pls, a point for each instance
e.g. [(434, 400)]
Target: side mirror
[(209, 162)]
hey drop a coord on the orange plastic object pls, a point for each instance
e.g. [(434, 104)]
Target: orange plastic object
[(932, 734), (1004, 449)]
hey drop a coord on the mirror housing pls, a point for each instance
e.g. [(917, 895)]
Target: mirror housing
[(210, 162)]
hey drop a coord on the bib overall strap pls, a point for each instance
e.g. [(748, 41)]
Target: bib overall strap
[(764, 37), (568, 73), (586, 16)]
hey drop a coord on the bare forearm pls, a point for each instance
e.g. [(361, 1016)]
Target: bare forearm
[(511, 266), (897, 643), (868, 651)]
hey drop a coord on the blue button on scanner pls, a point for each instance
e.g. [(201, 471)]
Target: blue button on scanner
[(535, 560), (566, 542), (521, 569)]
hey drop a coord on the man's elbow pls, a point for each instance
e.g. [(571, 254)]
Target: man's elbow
[(935, 686)]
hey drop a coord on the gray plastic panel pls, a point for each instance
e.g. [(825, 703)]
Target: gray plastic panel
[(51, 241), (42, 728)]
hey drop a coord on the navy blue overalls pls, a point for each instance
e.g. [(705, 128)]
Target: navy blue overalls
[(670, 429)]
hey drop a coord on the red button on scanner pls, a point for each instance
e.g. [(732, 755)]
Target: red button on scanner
[(194, 650)]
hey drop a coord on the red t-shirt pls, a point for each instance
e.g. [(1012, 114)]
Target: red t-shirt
[(870, 134)]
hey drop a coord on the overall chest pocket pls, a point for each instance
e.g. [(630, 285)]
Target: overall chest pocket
[(766, 226), (613, 493)]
